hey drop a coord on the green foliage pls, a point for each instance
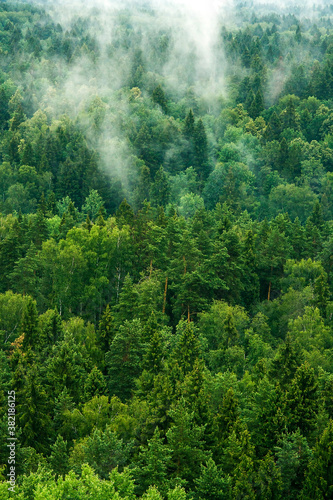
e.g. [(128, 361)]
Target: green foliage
[(185, 333), (103, 451), (318, 477), (153, 465), (124, 360), (59, 457)]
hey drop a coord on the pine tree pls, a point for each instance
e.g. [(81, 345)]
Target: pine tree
[(289, 116), (42, 205), (317, 216), (231, 333), (194, 393), (143, 143), (283, 154), (63, 405)]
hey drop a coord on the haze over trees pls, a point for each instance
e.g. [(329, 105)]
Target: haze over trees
[(166, 250)]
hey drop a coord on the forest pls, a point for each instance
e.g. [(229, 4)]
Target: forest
[(166, 250)]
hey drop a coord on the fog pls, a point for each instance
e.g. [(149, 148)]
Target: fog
[(192, 57)]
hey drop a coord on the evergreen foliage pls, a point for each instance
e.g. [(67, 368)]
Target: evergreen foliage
[(166, 252)]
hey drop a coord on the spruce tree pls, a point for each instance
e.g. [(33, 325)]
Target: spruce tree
[(153, 465), (318, 483), (59, 457), (106, 329), (212, 484), (201, 163), (29, 326), (158, 97)]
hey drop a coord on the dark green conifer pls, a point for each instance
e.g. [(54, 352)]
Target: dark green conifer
[(29, 326), (158, 97), (59, 457)]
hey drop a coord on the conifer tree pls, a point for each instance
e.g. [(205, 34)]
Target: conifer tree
[(189, 125), (39, 232), (274, 128), (153, 465), (24, 276), (127, 305), (322, 294), (286, 362), (268, 482), (160, 189), (212, 484), (303, 400), (106, 329), (34, 412), (200, 162), (188, 349), (95, 384), (293, 454), (29, 326), (59, 457), (28, 155), (124, 360), (124, 214), (318, 483), (185, 440), (158, 97)]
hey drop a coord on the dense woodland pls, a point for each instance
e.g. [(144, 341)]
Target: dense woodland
[(166, 256)]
